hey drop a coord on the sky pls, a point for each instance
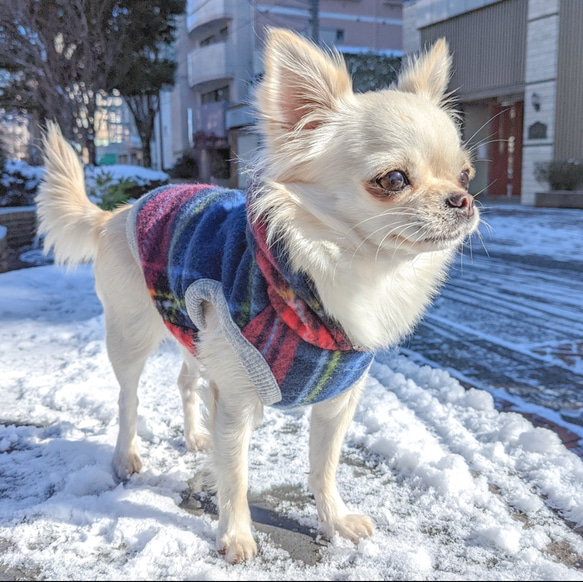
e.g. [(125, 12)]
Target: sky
[(458, 490)]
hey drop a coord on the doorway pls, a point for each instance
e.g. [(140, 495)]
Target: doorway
[(505, 151)]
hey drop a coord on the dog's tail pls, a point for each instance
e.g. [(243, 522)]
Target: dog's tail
[(69, 221)]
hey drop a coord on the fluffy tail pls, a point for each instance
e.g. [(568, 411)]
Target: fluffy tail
[(69, 221)]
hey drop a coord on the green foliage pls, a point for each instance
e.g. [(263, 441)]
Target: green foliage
[(186, 166), (560, 175), (371, 71), (18, 183), (108, 192), (220, 169), (116, 194), (146, 64), (97, 192)]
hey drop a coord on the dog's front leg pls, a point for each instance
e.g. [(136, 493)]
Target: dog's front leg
[(329, 423), (232, 427), (234, 410)]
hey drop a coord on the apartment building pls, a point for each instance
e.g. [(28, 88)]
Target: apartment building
[(116, 138), (218, 50), (517, 77)]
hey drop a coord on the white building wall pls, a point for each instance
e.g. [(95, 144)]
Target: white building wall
[(411, 33), (540, 87)]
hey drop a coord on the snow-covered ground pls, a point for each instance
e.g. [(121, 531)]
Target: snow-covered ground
[(458, 490)]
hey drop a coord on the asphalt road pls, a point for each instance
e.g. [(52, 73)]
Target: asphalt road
[(511, 322)]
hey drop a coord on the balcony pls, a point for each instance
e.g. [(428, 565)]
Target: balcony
[(210, 119), (206, 14), (208, 63)]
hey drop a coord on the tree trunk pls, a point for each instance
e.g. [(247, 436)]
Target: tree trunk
[(146, 153), (91, 150), (144, 109)]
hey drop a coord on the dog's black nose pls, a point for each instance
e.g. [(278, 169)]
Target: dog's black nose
[(461, 201)]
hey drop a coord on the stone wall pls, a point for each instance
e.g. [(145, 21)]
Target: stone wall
[(539, 91), (3, 249), (20, 223)]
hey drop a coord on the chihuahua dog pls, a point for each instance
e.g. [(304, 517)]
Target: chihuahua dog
[(279, 296)]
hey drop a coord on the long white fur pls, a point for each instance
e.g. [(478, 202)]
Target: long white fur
[(376, 261)]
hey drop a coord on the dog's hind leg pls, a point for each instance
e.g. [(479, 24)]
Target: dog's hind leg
[(133, 331), (236, 410), (128, 366), (329, 422), (195, 437)]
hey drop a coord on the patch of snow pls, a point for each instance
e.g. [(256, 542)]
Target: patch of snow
[(457, 489)]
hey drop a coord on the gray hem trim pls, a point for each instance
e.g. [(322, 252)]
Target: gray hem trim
[(250, 357)]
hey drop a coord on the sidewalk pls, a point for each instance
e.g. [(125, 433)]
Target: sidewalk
[(510, 319)]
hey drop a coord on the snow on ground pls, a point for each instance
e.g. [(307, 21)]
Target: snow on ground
[(16, 170), (119, 172), (458, 490), (538, 231)]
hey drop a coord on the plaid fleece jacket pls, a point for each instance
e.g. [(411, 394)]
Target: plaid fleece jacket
[(195, 244)]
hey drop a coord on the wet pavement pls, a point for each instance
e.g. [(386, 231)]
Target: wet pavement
[(511, 322)]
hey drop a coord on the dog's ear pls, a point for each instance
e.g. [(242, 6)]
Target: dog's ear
[(428, 74), (301, 85)]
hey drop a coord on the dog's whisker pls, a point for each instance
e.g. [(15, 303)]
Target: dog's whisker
[(481, 238), (389, 212), (484, 125), (420, 236), (400, 234)]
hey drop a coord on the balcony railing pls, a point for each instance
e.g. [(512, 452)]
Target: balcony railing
[(209, 63), (202, 12), (210, 119)]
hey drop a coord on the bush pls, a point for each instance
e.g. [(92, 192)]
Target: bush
[(185, 167), (220, 169), (108, 191), (106, 186), (566, 175), (18, 183)]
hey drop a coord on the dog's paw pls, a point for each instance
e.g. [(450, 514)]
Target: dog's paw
[(237, 547), (354, 526), (126, 465), (197, 441)]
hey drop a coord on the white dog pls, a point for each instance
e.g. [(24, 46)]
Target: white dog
[(283, 295)]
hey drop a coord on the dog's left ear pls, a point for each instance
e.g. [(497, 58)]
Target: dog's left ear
[(428, 74), (301, 85)]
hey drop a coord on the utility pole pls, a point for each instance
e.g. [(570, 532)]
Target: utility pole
[(315, 20)]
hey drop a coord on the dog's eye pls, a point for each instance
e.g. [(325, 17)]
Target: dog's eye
[(394, 181), (465, 179)]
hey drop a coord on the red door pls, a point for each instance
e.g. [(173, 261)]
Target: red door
[(505, 150)]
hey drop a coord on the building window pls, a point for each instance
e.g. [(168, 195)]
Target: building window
[(339, 35), (220, 94), (219, 36)]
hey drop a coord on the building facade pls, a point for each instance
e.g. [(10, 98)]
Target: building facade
[(116, 137), (218, 51), (517, 80)]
